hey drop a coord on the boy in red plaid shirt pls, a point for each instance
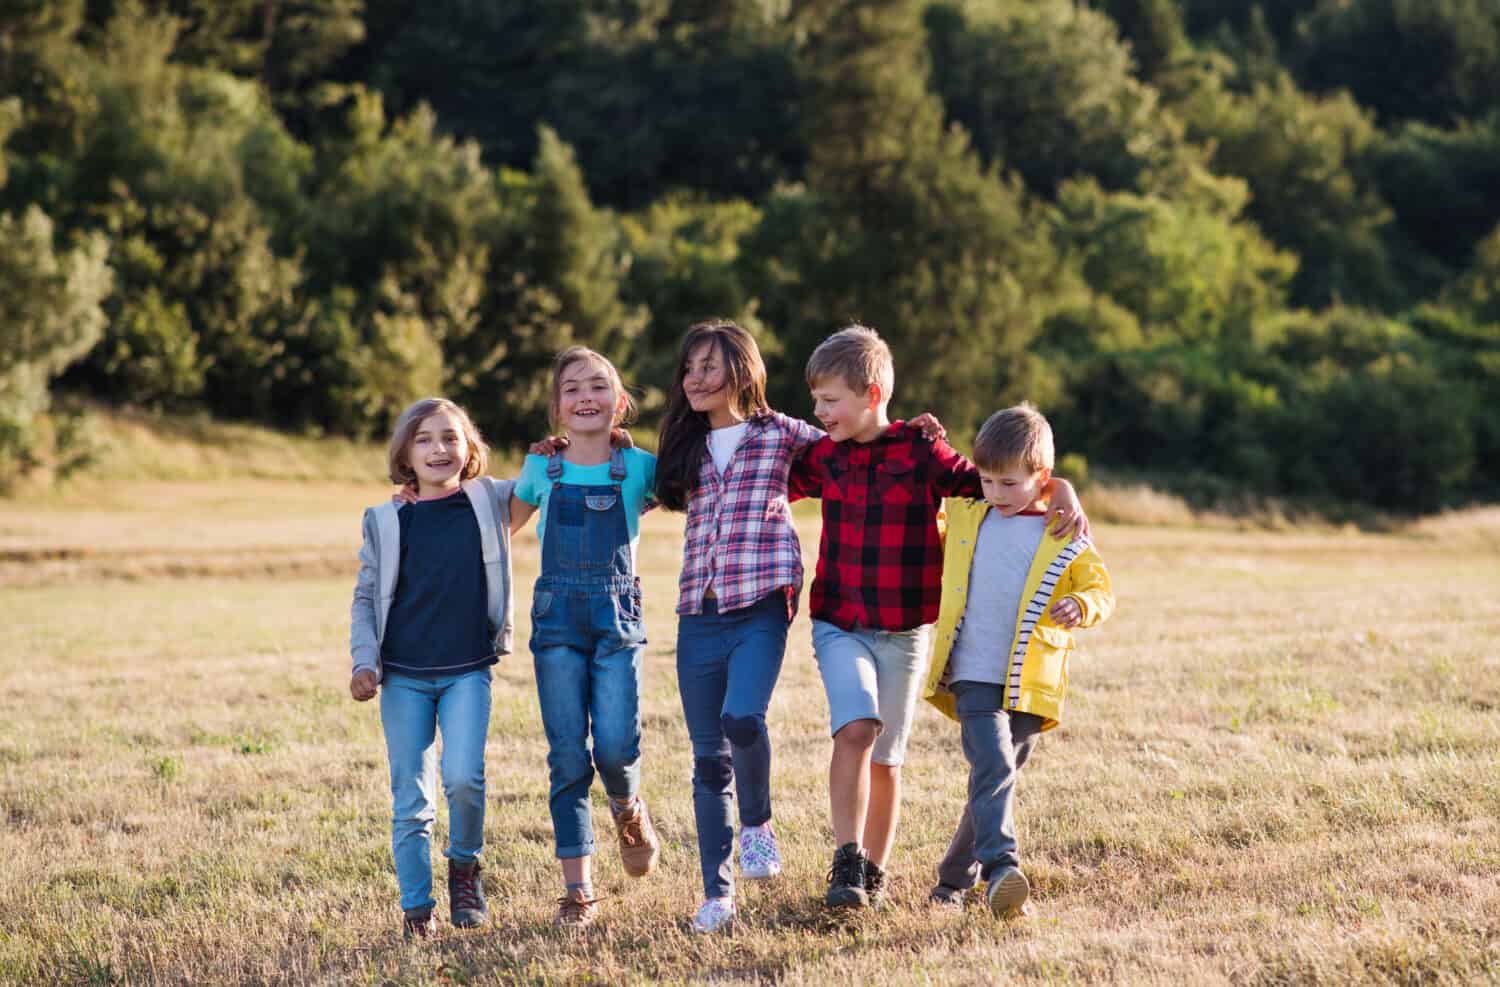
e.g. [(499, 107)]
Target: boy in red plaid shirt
[(876, 591)]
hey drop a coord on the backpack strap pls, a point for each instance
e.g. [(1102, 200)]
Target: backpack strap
[(482, 499), (388, 548)]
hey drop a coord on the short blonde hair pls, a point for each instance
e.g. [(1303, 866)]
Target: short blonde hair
[(1018, 436), (856, 354), (411, 420), (575, 354)]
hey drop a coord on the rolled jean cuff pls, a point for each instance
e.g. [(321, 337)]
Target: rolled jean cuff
[(575, 851)]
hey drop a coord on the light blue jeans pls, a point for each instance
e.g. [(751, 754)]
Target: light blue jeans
[(412, 711)]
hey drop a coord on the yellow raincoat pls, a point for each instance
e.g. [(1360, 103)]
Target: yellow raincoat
[(1037, 679)]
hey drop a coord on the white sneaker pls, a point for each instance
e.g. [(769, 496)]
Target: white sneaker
[(760, 857), (713, 915)]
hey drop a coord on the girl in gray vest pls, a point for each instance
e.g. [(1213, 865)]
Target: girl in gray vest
[(431, 614)]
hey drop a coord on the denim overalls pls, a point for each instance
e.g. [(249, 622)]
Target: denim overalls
[(587, 638)]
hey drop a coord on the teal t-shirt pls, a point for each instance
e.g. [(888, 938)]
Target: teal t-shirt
[(638, 490)]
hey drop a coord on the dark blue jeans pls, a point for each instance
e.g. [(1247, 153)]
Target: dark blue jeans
[(727, 666)]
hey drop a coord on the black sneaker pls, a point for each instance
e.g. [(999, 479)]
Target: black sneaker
[(874, 884), (846, 878), (418, 923), (466, 895)]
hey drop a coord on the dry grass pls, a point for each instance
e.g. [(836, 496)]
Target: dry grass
[(1280, 764)]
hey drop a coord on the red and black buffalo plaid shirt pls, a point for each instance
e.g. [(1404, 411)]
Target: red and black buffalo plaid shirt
[(880, 562)]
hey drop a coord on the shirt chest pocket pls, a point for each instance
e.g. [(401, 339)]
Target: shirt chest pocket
[(896, 482)]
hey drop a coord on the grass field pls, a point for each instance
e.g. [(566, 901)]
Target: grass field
[(1280, 764)]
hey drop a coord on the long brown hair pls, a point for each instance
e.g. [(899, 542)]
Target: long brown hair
[(682, 446)]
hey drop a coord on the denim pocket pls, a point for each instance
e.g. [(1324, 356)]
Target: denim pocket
[(628, 602), (600, 502), (541, 602)]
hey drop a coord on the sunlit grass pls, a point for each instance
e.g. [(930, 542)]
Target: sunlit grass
[(1280, 763)]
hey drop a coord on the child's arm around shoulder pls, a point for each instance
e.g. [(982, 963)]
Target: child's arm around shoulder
[(526, 491), (805, 478)]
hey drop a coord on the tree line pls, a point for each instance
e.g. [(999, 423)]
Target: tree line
[(1246, 251)]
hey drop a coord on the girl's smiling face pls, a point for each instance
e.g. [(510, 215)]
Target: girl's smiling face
[(705, 384), (587, 400), (437, 454)]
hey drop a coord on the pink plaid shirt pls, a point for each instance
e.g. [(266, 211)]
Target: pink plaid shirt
[(740, 540)]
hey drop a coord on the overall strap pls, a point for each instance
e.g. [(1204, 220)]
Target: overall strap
[(555, 466), (617, 466)]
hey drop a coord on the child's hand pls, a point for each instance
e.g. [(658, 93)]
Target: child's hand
[(362, 685), (549, 445), (406, 495), (1066, 612), (930, 427), (1065, 511), (618, 438)]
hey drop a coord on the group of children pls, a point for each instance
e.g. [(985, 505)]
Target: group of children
[(433, 611)]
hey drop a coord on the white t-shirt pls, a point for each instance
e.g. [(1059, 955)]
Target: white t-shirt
[(1002, 558), (722, 442)]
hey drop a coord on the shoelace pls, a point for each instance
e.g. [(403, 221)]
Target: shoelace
[(631, 831), (466, 890), (576, 907), (847, 870)]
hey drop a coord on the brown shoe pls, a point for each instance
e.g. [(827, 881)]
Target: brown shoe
[(575, 910), (419, 924), (638, 842)]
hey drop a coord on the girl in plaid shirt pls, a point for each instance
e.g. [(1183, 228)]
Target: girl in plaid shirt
[(723, 458)]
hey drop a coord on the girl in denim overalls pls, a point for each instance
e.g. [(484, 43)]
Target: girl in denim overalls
[(587, 632)]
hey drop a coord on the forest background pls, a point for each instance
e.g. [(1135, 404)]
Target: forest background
[(1242, 250)]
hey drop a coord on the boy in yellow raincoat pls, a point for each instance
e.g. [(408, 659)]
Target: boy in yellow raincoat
[(1012, 593)]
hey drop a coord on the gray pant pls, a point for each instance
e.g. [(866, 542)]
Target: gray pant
[(996, 744)]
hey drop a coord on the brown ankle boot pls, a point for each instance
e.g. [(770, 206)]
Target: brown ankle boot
[(638, 843)]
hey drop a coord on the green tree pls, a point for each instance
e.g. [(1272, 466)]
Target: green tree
[(1440, 182), (52, 317), (1406, 59), (1154, 28), (900, 226), (1304, 160), (1190, 272), (559, 268), (1046, 89), (651, 95)]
